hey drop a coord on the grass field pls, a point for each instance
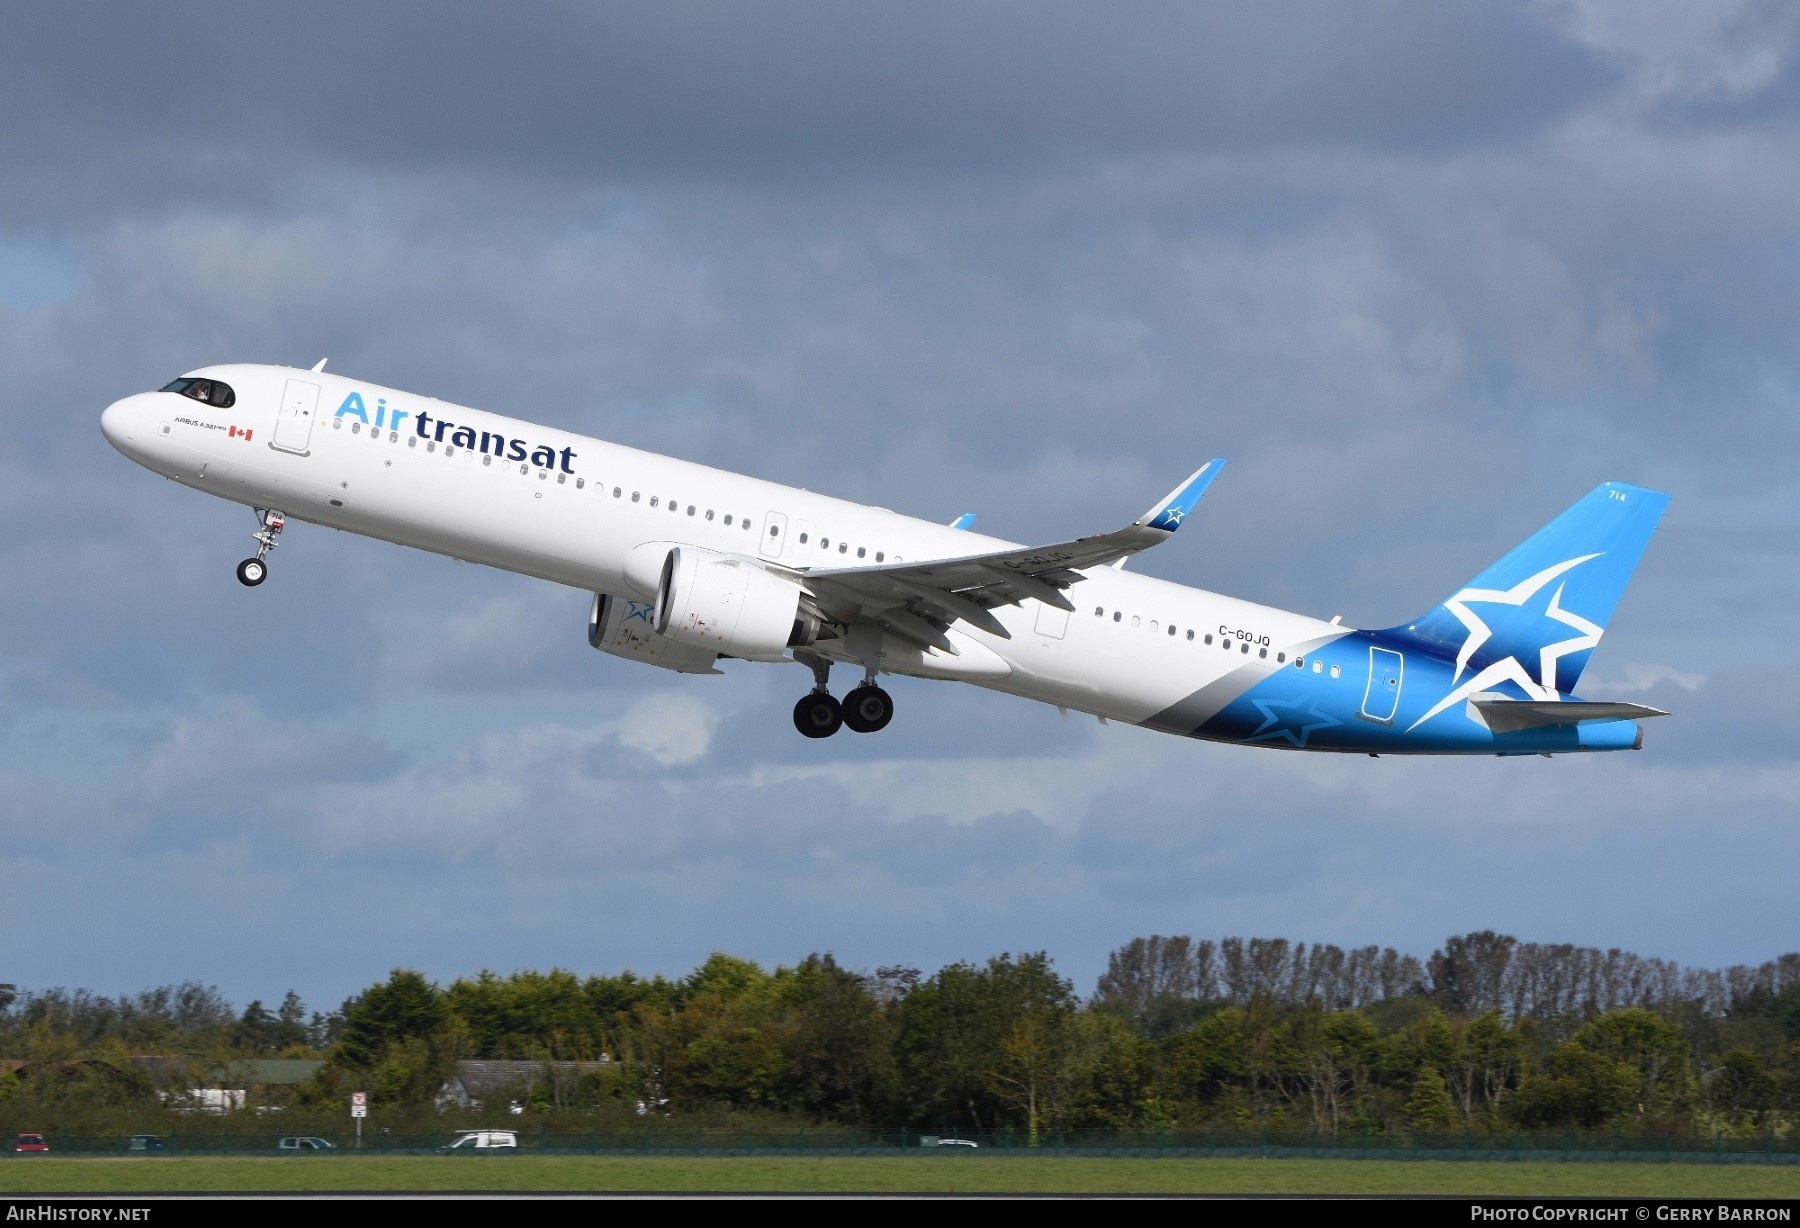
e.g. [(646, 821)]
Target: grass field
[(911, 1174)]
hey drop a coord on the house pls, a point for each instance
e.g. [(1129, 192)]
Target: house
[(512, 1083)]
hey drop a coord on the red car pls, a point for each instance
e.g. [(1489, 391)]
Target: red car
[(31, 1142)]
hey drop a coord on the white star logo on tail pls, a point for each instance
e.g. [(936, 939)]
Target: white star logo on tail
[(1510, 668)]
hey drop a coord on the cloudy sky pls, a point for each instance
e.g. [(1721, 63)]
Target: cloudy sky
[(1425, 272)]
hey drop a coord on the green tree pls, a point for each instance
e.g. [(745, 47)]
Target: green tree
[(1651, 1047), (950, 1033), (1581, 1088), (401, 1036), (1430, 1106)]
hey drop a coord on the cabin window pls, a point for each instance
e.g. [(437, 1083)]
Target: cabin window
[(1281, 658), (634, 496), (486, 460), (1318, 667), (337, 424), (774, 530), (449, 451), (843, 547), (1099, 611), (745, 522), (824, 543), (654, 500), (1209, 639), (1246, 649), (880, 557), (561, 478), (803, 539), (861, 551), (1155, 626), (1262, 653), (1337, 671), (1299, 662), (1171, 629), (690, 509), (431, 445), (675, 506), (355, 427), (709, 513), (1190, 635), (412, 441), (617, 491), (1118, 615), (728, 520), (393, 436), (580, 482)]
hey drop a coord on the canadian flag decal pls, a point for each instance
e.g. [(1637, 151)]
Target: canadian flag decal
[(234, 432)]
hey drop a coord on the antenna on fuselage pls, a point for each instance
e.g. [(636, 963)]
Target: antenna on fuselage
[(319, 366)]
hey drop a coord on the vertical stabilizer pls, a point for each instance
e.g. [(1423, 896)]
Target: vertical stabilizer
[(1535, 617)]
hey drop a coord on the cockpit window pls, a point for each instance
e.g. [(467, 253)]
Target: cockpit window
[(207, 391)]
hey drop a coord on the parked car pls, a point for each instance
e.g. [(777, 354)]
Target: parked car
[(145, 1142), (305, 1142), (30, 1143), (484, 1140)]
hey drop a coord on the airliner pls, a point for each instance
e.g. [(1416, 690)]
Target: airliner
[(689, 566)]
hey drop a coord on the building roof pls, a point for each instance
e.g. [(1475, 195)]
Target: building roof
[(267, 1070)]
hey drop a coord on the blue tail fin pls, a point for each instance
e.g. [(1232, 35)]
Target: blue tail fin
[(1542, 608)]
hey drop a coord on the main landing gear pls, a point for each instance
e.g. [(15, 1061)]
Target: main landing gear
[(866, 709), (270, 523)]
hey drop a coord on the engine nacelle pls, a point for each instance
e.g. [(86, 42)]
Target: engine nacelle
[(627, 629), (728, 604)]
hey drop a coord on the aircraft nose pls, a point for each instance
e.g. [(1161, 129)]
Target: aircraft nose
[(124, 420)]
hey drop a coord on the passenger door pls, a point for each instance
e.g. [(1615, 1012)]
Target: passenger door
[(294, 423), (1382, 698)]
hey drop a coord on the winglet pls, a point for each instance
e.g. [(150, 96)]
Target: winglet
[(964, 521), (1169, 514)]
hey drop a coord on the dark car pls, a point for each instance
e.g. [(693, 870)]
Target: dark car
[(30, 1143), (305, 1142), (145, 1142)]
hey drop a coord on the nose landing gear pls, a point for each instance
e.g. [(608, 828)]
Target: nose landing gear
[(254, 571)]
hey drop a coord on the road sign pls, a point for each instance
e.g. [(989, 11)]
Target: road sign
[(359, 1099), (359, 1110)]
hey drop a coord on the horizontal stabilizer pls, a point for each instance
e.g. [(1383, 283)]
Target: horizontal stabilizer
[(1508, 715)]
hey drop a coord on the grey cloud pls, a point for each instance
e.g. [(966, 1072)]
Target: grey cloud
[(772, 90)]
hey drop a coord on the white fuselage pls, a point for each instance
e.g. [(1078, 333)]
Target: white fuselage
[(576, 521)]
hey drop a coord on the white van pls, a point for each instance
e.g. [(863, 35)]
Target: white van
[(484, 1140)]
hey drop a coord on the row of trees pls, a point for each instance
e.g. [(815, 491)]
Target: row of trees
[(1179, 1034)]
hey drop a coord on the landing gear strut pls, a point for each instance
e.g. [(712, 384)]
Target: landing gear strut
[(270, 523)]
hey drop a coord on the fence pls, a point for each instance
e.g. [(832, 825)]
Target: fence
[(1172, 1144)]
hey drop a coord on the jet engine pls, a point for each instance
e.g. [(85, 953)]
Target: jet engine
[(730, 605), (627, 628)]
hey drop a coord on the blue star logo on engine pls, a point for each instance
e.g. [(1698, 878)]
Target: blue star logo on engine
[(1291, 720), (1516, 620)]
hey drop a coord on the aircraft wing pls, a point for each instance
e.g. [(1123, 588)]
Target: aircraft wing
[(966, 587)]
